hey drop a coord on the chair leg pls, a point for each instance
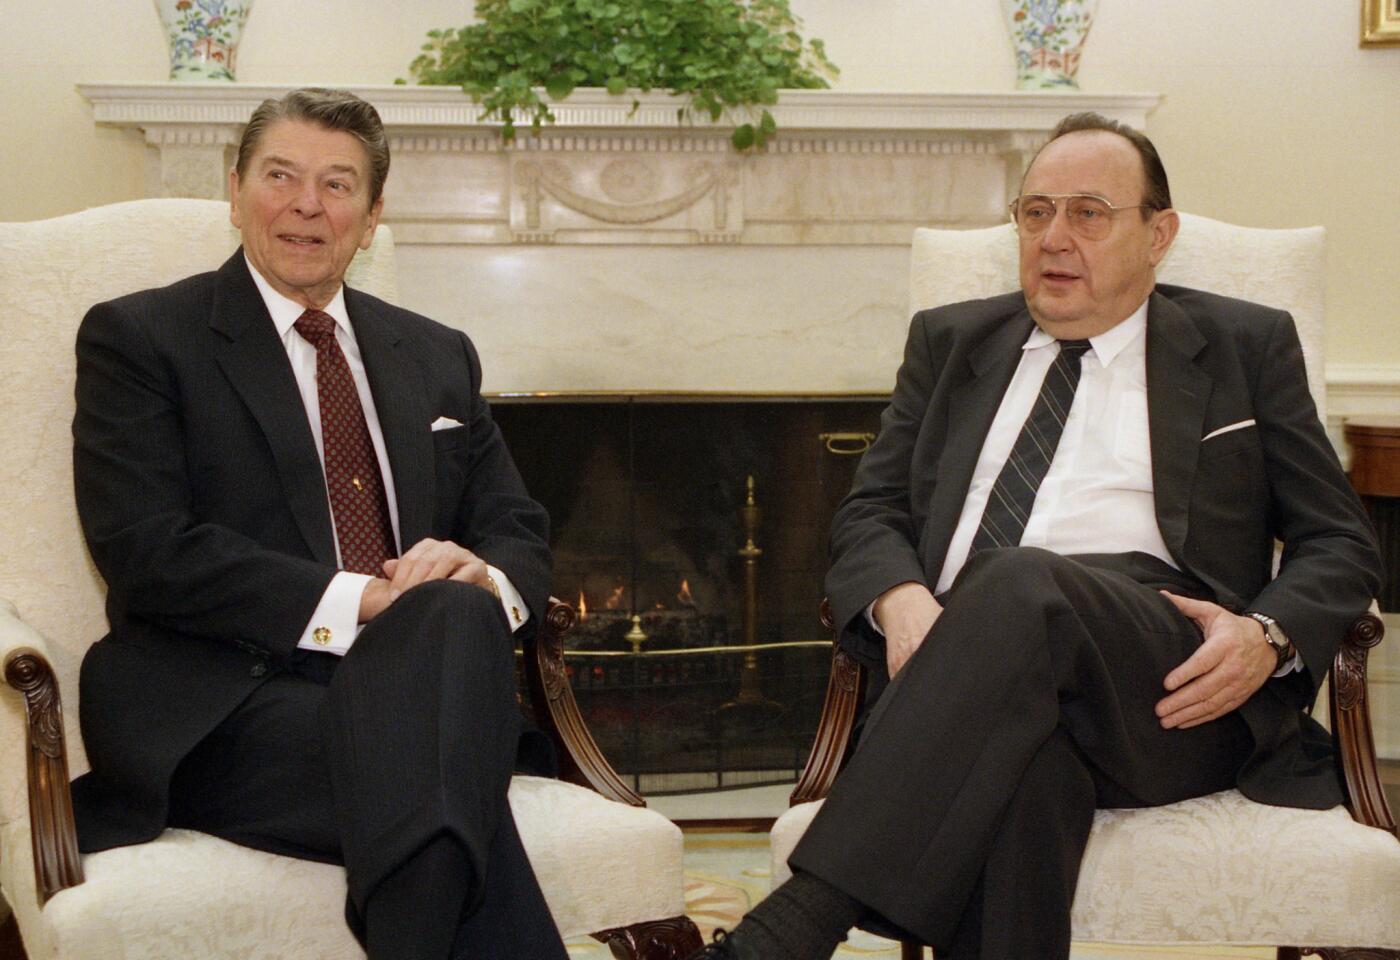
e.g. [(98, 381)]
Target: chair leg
[(674, 938), (1289, 953), (1341, 953)]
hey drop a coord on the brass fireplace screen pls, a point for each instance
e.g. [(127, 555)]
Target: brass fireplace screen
[(690, 534)]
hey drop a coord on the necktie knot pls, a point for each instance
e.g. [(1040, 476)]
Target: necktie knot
[(1074, 348), (315, 327)]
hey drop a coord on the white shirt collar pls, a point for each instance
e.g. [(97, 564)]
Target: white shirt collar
[(1108, 344), (285, 312)]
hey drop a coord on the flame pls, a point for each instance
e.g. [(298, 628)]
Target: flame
[(582, 607), (614, 599), (683, 596)]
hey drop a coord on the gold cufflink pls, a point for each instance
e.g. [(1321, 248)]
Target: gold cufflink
[(515, 612), (355, 482), (321, 635)]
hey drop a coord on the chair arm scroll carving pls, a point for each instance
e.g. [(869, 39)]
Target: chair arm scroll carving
[(557, 712), (1351, 724), (52, 831)]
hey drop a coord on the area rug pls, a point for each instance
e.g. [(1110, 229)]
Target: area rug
[(727, 873)]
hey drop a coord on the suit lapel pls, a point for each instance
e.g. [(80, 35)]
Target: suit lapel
[(1177, 393), (395, 380), (255, 362)]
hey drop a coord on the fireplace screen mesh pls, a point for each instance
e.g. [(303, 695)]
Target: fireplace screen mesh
[(690, 534)]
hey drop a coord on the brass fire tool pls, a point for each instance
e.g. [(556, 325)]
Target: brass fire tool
[(750, 694)]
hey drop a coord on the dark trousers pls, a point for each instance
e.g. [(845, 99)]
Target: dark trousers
[(405, 744), (963, 814)]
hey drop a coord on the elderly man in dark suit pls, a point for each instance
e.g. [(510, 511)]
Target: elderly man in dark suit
[(316, 549), (1060, 550)]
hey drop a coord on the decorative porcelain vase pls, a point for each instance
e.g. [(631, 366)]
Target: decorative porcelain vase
[(1048, 36), (203, 36)]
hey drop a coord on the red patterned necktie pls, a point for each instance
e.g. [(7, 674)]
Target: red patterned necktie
[(358, 503)]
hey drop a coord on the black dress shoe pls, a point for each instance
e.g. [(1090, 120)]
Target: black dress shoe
[(720, 948)]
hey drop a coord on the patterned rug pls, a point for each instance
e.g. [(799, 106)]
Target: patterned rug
[(727, 873)]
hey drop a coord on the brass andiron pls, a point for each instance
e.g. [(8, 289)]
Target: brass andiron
[(750, 695), (636, 636)]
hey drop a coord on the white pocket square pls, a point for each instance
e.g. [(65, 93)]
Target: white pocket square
[(447, 423), (1228, 428)]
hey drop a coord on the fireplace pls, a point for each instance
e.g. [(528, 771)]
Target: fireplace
[(690, 533)]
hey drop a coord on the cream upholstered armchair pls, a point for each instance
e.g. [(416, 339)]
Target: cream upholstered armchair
[(1219, 869), (607, 868)]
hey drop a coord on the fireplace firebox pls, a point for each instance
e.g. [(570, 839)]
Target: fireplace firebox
[(689, 531)]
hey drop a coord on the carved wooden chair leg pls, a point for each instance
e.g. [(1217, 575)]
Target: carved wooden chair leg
[(674, 938), (1348, 953)]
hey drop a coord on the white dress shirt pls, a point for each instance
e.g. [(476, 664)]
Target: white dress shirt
[(336, 617), (1097, 495)]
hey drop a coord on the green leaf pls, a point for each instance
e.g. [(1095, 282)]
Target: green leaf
[(743, 136), (559, 86), (767, 124), (617, 85)]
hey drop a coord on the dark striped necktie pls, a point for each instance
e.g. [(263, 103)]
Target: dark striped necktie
[(1013, 494)]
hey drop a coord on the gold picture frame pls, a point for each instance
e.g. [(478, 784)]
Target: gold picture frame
[(1380, 23)]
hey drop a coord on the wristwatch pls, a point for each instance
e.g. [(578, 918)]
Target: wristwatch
[(1274, 636)]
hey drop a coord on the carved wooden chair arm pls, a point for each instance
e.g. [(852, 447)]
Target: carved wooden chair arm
[(557, 713), (52, 833), (844, 692), (1351, 725)]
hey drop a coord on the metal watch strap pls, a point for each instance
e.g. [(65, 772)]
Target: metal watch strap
[(1283, 650)]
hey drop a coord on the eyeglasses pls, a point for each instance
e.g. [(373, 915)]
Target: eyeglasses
[(1088, 216)]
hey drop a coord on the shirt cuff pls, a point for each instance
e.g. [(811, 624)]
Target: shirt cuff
[(334, 624), (517, 613), (870, 617), (1294, 663)]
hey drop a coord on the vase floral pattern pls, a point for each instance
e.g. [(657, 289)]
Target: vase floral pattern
[(1048, 36), (203, 36)]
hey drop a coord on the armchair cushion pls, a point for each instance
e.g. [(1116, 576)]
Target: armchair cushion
[(1218, 869), (187, 894)]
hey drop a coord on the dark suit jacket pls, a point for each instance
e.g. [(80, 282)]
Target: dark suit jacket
[(205, 509), (1221, 503)]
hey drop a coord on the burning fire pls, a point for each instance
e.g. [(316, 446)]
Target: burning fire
[(615, 598), (683, 596), (582, 607)]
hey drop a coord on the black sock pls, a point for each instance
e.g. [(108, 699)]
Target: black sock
[(413, 913), (804, 919)]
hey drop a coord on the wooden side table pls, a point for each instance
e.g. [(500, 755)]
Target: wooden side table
[(1375, 473)]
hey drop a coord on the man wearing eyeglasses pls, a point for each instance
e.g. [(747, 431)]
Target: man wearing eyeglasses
[(1060, 550)]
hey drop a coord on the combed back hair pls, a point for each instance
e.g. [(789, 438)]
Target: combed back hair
[(1158, 195), (332, 109)]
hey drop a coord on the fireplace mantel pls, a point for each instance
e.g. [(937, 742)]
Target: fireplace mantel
[(620, 250), (605, 172)]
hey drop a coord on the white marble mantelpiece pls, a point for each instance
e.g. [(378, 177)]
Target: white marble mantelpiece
[(619, 250)]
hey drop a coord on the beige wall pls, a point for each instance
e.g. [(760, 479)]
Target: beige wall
[(1272, 117)]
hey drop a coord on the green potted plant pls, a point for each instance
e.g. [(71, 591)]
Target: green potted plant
[(720, 56)]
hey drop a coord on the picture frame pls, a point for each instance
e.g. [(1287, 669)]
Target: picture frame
[(1380, 23)]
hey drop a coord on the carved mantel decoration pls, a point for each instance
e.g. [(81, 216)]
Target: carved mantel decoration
[(621, 251), (847, 167)]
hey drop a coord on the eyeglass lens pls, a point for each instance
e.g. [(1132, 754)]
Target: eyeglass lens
[(1087, 216)]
